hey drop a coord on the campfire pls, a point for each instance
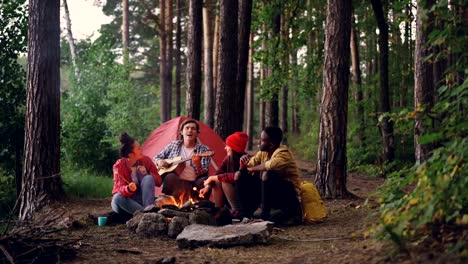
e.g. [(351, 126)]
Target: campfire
[(184, 201)]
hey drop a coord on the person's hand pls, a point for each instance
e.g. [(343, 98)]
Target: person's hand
[(132, 187), (162, 163), (244, 160), (210, 179), (196, 160), (204, 191), (237, 175), (142, 170)]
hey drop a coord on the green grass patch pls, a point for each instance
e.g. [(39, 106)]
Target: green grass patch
[(85, 183)]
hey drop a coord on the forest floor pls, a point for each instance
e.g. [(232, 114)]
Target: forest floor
[(339, 239)]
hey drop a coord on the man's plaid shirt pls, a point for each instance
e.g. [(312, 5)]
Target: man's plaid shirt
[(173, 150)]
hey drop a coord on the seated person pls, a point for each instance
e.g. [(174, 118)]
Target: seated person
[(180, 182), (135, 176), (280, 186), (225, 185)]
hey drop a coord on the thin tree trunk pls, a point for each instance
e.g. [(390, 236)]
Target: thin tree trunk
[(331, 174), (178, 58), (386, 125), (41, 179), (272, 113), (215, 50), (125, 29), (244, 18), (357, 84), (164, 115), (227, 69), (168, 28), (263, 75), (250, 95), (194, 50), (208, 109), (285, 74), (423, 80), (70, 39)]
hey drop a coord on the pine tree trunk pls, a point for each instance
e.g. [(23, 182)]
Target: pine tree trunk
[(178, 58), (194, 53), (70, 40), (168, 27), (227, 69), (386, 126), (285, 74), (355, 62), (164, 115), (331, 166), (41, 179), (245, 15), (250, 95), (423, 80), (125, 29), (216, 51), (272, 111), (263, 75), (208, 108)]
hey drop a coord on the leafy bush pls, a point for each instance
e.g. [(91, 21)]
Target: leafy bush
[(425, 200)]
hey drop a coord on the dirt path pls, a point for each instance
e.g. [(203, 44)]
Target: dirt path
[(337, 240)]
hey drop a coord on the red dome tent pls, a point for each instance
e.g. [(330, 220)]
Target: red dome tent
[(169, 131)]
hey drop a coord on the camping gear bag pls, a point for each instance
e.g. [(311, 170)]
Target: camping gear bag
[(313, 207)]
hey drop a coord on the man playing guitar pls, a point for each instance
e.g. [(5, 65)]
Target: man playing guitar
[(180, 182)]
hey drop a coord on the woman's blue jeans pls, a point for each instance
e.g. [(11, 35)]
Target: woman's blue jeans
[(143, 197)]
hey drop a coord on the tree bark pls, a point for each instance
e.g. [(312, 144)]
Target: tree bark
[(386, 126), (272, 113), (42, 181), (216, 50), (244, 18), (125, 28), (194, 50), (423, 79), (70, 39), (208, 108), (168, 27), (227, 70), (164, 115), (178, 58), (250, 95), (285, 74), (331, 174), (356, 69)]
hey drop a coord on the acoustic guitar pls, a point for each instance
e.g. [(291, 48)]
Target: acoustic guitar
[(174, 162)]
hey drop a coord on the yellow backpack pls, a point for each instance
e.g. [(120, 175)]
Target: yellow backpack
[(313, 207)]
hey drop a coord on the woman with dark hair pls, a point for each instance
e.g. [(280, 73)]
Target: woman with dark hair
[(135, 176), (224, 184)]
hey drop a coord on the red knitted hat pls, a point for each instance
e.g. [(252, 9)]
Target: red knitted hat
[(237, 141)]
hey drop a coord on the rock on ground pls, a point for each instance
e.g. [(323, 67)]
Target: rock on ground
[(196, 235)]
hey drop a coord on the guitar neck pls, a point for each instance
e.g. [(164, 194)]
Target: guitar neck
[(180, 161)]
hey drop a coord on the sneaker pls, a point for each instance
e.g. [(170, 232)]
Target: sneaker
[(258, 213), (237, 214), (277, 216)]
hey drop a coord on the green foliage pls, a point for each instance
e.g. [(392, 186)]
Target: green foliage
[(7, 193), (84, 183), (417, 201), (13, 32), (83, 110), (306, 144)]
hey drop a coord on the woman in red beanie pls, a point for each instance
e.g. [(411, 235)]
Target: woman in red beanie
[(224, 184)]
